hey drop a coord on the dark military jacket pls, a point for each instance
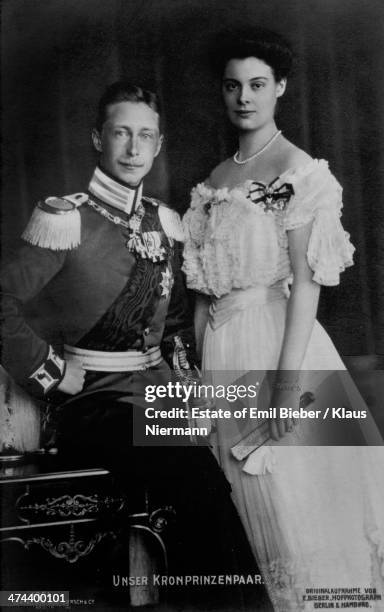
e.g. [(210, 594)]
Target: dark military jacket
[(109, 292)]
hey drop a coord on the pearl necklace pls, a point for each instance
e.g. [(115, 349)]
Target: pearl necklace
[(264, 148)]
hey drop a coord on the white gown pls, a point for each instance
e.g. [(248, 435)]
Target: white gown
[(314, 514)]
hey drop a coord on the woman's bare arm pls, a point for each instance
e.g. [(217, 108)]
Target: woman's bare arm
[(300, 318)]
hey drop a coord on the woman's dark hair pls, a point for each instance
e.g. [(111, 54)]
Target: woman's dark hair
[(124, 91), (268, 46)]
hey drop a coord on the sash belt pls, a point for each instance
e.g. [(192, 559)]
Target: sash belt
[(223, 309), (110, 361)]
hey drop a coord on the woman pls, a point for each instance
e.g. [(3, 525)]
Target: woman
[(268, 217)]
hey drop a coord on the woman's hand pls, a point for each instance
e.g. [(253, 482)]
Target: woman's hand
[(286, 398), (73, 381)]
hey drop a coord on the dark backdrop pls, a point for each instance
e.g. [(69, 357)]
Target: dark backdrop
[(59, 54)]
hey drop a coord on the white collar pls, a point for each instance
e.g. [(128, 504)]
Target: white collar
[(114, 193)]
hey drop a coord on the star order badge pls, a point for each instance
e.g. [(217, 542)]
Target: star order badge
[(166, 282)]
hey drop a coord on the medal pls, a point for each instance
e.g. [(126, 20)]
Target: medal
[(145, 244), (166, 282)]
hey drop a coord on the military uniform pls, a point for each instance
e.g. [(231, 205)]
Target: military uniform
[(106, 261), (110, 292)]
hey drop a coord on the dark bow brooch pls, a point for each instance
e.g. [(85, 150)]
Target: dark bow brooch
[(269, 196)]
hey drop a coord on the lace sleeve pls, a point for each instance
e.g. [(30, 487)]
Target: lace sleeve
[(194, 224), (318, 199)]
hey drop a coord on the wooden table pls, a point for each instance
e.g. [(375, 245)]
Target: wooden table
[(69, 512)]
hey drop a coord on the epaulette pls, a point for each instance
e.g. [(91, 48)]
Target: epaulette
[(55, 223), (169, 219)]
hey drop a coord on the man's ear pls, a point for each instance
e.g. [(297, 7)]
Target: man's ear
[(159, 144), (96, 139)]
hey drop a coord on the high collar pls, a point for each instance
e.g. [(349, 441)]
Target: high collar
[(113, 192)]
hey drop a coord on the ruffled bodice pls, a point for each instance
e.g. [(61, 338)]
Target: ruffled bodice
[(237, 238)]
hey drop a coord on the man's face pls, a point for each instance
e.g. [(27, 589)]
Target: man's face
[(129, 141)]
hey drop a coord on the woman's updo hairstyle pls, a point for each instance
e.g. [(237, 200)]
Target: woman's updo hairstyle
[(257, 42)]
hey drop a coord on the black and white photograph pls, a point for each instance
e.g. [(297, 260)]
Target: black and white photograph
[(192, 305)]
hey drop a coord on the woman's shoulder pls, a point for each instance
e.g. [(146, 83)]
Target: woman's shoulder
[(306, 174), (291, 157), (314, 191), (219, 174)]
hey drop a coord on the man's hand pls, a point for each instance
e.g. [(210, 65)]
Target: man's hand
[(73, 381)]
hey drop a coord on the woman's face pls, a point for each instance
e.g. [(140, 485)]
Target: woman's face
[(250, 92)]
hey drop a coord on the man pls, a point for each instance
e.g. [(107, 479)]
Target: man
[(133, 245), (107, 259)]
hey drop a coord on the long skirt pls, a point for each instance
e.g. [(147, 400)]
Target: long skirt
[(313, 512)]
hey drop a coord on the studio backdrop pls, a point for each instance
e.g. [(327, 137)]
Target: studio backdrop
[(58, 55)]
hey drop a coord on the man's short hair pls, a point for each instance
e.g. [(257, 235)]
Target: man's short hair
[(124, 91)]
